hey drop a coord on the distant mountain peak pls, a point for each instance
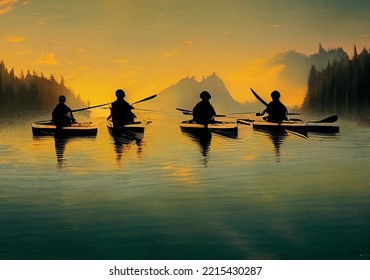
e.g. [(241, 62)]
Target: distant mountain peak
[(212, 76), (186, 80), (321, 49), (185, 94), (212, 79)]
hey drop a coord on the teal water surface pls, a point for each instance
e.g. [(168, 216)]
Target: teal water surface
[(173, 197)]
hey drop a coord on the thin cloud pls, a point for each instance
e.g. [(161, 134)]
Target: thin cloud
[(24, 52), (83, 68), (120, 61), (6, 6), (77, 71), (177, 50), (16, 39), (41, 22), (79, 51), (274, 25), (227, 33), (170, 53), (47, 59), (186, 43)]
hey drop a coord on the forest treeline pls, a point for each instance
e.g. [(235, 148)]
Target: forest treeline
[(32, 94), (343, 87)]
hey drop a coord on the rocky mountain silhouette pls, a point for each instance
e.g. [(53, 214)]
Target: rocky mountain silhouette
[(185, 94)]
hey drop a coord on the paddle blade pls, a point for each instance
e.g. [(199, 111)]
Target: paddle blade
[(259, 98), (145, 99), (300, 134), (330, 119), (183, 110)]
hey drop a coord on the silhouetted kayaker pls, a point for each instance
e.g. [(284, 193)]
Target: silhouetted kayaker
[(277, 112), (121, 113), (204, 112), (60, 113)]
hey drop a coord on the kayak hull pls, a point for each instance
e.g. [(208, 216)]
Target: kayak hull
[(133, 130), (322, 128), (47, 128), (220, 128), (299, 127)]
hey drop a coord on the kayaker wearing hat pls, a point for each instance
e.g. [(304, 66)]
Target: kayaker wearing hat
[(204, 112), (121, 113), (60, 113), (277, 112)]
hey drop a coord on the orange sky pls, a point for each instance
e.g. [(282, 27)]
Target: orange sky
[(146, 46)]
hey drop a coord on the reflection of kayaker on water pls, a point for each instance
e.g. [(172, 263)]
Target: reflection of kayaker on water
[(60, 113), (121, 113), (60, 146), (277, 112), (204, 112)]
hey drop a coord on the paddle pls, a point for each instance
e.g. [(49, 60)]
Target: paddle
[(87, 108), (145, 99), (184, 110), (265, 103), (302, 135), (142, 100), (101, 105), (330, 119), (189, 112), (258, 97)]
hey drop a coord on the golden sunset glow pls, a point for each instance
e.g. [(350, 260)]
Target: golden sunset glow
[(144, 47)]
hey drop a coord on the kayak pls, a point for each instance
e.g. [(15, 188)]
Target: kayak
[(293, 125), (45, 128), (322, 126), (134, 130), (228, 129)]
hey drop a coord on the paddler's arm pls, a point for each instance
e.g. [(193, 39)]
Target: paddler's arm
[(73, 120), (110, 115)]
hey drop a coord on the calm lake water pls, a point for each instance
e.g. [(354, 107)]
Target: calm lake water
[(172, 197)]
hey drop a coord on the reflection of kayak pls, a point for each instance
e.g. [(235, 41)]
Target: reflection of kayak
[(134, 130), (41, 128), (291, 125), (222, 128)]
